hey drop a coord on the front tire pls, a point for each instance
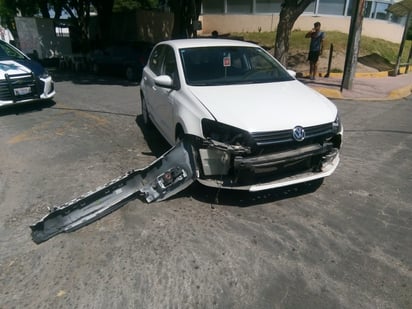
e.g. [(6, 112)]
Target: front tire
[(179, 135), (145, 113)]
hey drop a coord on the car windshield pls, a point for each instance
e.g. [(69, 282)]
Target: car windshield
[(229, 65), (7, 52)]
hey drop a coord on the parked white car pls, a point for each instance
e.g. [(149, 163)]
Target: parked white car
[(253, 125), (22, 80)]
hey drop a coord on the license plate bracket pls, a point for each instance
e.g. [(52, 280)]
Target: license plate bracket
[(22, 91)]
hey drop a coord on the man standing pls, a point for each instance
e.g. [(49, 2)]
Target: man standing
[(315, 50)]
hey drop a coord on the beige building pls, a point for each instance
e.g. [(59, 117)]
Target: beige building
[(227, 16)]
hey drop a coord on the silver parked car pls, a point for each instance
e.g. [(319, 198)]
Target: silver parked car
[(22, 79), (253, 125)]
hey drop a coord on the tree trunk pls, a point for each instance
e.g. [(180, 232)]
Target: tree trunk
[(186, 13), (104, 11), (282, 36), (58, 9), (44, 10), (291, 10)]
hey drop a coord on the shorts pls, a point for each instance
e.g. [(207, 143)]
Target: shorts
[(314, 55)]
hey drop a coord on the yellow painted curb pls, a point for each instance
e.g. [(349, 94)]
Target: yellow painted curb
[(363, 74), (329, 93), (400, 93), (393, 95), (372, 74), (357, 75), (402, 69)]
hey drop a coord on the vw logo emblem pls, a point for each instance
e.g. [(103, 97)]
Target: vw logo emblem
[(298, 133)]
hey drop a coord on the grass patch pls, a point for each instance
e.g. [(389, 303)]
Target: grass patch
[(298, 43), (336, 70)]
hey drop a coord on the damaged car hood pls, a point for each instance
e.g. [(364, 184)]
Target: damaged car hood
[(290, 107)]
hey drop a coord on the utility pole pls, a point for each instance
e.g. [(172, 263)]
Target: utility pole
[(352, 47), (405, 32), (402, 8)]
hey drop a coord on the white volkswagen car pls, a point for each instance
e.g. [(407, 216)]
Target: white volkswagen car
[(253, 126), (22, 80)]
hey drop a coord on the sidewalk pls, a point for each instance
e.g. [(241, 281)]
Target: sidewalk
[(367, 87)]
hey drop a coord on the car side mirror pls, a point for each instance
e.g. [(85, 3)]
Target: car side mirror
[(164, 81), (292, 73)]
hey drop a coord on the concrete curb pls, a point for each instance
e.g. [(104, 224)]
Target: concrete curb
[(379, 74), (329, 93), (400, 93), (396, 94), (334, 93)]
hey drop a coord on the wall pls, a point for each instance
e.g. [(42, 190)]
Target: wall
[(38, 34), (250, 23)]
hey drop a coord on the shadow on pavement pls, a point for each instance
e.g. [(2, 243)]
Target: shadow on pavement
[(24, 108), (157, 144), (215, 196), (85, 78)]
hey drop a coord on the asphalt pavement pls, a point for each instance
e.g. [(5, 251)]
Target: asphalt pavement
[(342, 243), (365, 86)]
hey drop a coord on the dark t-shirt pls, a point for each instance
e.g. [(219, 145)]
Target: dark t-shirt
[(315, 41)]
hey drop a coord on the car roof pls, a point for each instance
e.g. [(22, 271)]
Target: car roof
[(203, 42)]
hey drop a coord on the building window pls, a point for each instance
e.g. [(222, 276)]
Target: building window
[(368, 9), (381, 11), (213, 7), (240, 6), (62, 31), (331, 7), (311, 7), (373, 8), (268, 6)]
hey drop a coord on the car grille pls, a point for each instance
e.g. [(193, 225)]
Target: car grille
[(277, 154), (320, 132), (10, 87)]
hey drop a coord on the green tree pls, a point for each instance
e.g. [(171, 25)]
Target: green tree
[(131, 5), (10, 8), (7, 12), (289, 13)]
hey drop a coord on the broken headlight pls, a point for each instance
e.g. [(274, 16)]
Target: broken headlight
[(336, 125), (44, 74), (225, 134), (336, 138)]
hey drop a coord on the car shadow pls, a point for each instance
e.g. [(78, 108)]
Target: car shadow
[(86, 78), (155, 141), (24, 108), (240, 198)]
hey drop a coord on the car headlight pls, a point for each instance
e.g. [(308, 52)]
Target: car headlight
[(45, 74), (225, 134), (336, 125)]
